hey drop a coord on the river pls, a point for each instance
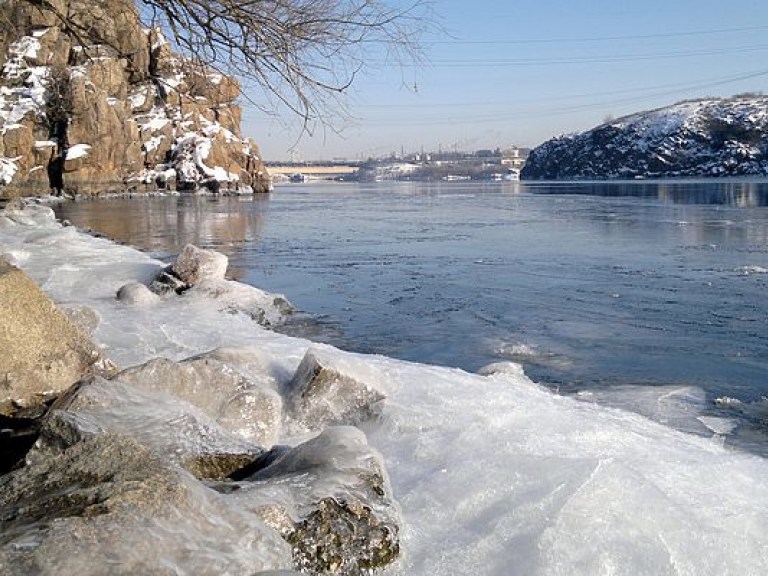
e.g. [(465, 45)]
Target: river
[(591, 286)]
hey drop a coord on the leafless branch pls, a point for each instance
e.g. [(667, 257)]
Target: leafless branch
[(304, 53)]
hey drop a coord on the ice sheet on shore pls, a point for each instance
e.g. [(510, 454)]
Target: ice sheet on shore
[(494, 474)]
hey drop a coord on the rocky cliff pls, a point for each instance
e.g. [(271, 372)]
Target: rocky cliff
[(106, 105), (710, 137)]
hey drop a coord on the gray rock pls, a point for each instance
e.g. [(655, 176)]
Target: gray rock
[(250, 409), (321, 393), (331, 500), (108, 505), (137, 294), (194, 265)]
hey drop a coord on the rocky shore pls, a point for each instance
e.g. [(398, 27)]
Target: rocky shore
[(174, 467), (182, 436)]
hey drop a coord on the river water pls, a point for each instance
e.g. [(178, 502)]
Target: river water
[(591, 286)]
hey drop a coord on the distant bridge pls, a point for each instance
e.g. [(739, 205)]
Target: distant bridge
[(313, 172)]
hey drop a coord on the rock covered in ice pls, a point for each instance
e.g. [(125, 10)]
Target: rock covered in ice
[(250, 409), (511, 368), (137, 294), (108, 505), (43, 352), (199, 273), (330, 498), (17, 212), (184, 434), (322, 393), (194, 265), (265, 308)]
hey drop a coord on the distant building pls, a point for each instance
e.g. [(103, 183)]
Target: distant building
[(514, 157)]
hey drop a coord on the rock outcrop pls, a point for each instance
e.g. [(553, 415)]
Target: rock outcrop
[(712, 137), (110, 107), (321, 394)]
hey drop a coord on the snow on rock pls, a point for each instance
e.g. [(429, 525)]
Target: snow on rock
[(7, 169), (710, 137), (145, 107), (78, 151)]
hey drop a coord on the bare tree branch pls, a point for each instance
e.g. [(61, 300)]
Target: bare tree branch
[(304, 53)]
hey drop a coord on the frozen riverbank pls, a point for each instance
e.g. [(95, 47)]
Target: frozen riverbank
[(494, 474)]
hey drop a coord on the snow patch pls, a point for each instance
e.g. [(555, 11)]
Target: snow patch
[(78, 151)]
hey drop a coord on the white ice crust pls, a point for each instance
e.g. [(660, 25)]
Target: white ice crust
[(495, 475)]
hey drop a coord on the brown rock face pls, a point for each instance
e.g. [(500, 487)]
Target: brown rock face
[(43, 352), (110, 107)]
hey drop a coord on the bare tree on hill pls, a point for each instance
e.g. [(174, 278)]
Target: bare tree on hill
[(304, 53)]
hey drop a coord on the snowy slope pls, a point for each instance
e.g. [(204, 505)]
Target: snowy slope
[(711, 137)]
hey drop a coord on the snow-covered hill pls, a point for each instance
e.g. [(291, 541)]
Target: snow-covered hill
[(708, 137)]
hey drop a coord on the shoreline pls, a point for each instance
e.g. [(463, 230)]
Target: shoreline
[(474, 460)]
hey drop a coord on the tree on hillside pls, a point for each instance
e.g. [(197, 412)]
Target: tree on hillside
[(304, 54)]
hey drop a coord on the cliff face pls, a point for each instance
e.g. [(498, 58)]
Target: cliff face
[(113, 109), (712, 137)]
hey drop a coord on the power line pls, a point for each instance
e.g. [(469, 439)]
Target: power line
[(674, 87), (481, 118), (486, 63), (605, 38)]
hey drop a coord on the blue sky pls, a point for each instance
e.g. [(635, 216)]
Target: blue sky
[(518, 73)]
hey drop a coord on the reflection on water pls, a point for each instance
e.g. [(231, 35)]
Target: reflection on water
[(164, 225), (743, 194)]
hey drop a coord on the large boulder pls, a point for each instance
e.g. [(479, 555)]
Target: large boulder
[(250, 409), (108, 505), (43, 352)]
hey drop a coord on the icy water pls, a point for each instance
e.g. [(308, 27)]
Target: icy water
[(589, 286)]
